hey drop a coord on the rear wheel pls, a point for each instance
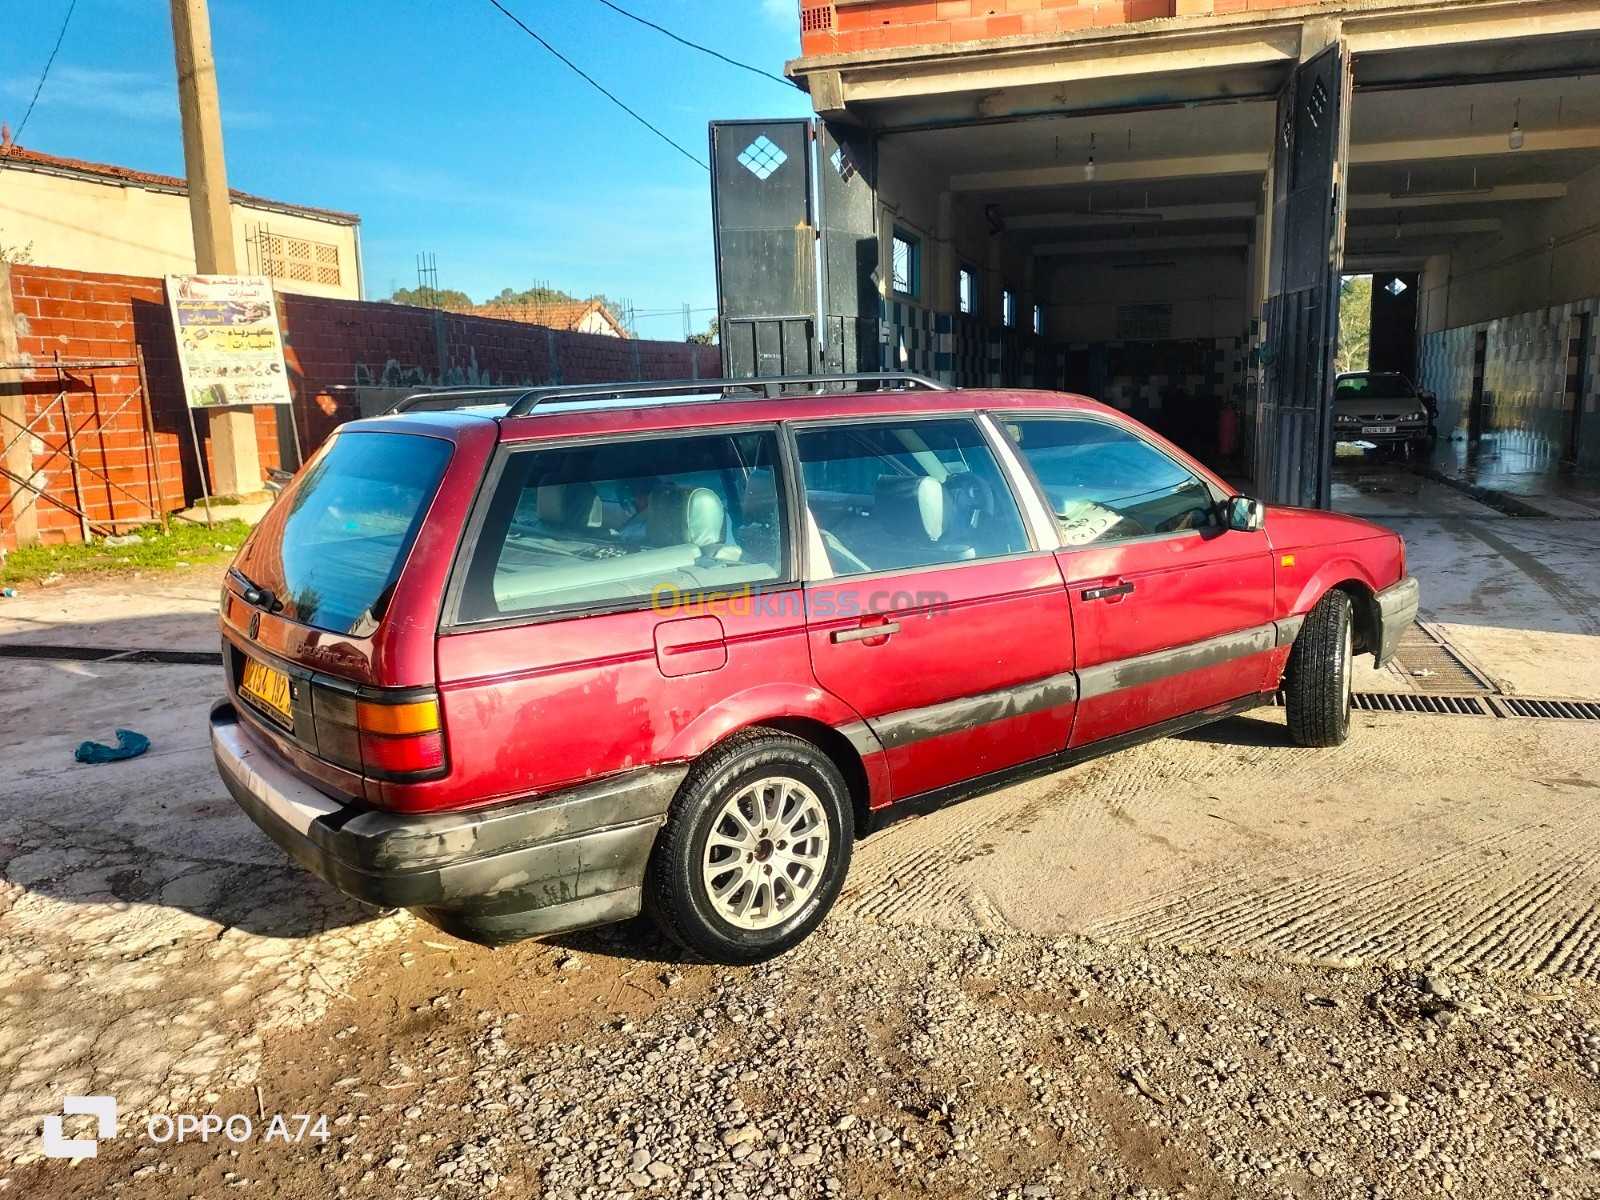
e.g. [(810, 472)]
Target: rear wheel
[(1319, 674), (754, 851)]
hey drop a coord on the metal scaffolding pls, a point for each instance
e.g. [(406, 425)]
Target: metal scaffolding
[(83, 440)]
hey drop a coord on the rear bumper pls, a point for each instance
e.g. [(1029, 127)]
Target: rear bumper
[(566, 860), (1397, 610)]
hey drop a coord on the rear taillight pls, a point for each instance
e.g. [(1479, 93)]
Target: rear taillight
[(399, 739)]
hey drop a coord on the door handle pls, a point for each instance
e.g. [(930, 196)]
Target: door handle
[(866, 632), (1116, 591)]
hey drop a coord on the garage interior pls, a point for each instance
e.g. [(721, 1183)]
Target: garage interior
[(1107, 214)]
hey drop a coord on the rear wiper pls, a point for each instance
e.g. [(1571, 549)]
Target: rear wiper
[(261, 597)]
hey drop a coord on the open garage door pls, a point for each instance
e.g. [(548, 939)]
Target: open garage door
[(1294, 429), (761, 190)]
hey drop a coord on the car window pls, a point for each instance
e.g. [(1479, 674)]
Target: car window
[(332, 547), (1107, 484), (907, 494), (651, 520), (1373, 387)]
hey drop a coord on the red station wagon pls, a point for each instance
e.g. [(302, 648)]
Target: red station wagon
[(528, 660)]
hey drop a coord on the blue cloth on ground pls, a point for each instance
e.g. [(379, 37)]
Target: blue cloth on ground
[(129, 745)]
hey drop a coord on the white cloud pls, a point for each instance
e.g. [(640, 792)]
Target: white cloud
[(128, 94)]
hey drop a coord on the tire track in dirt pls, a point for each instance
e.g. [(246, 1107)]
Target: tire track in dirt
[(1420, 840)]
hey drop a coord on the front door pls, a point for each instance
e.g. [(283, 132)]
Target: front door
[(1172, 611), (930, 612)]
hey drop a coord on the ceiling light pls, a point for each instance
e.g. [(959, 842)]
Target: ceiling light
[(1517, 139), (1089, 171)]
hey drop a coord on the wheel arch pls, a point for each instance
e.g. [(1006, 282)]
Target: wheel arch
[(842, 753), (1366, 618)]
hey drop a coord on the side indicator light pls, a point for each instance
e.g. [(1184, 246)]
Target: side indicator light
[(1287, 560)]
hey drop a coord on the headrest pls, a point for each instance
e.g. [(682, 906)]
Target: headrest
[(569, 505), (677, 515), (912, 507)]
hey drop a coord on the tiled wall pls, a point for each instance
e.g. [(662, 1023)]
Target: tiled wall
[(962, 350), (1177, 388), (1531, 374)]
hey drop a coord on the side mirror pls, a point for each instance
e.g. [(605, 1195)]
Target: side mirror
[(1245, 515)]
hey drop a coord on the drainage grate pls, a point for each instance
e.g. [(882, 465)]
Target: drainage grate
[(1559, 710), (1428, 661), (170, 658), (1458, 706)]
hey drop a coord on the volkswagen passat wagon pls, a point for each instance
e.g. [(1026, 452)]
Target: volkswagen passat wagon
[(531, 661)]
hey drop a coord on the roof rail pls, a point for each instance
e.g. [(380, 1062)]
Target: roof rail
[(523, 400)]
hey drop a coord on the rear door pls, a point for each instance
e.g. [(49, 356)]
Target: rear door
[(1172, 611), (929, 610), (616, 591)]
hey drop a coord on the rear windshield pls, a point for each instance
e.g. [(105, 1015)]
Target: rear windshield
[(333, 545)]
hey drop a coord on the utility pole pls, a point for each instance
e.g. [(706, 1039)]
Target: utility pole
[(236, 461)]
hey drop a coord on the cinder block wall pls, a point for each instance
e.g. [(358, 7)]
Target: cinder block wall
[(848, 26), (331, 346)]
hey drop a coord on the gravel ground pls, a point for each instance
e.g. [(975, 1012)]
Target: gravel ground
[(879, 1061)]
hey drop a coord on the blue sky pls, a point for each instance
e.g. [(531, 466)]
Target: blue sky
[(444, 125)]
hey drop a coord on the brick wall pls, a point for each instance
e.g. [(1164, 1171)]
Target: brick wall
[(844, 28), (331, 347)]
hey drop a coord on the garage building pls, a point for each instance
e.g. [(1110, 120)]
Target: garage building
[(1153, 201)]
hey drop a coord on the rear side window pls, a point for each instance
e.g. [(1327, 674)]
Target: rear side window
[(333, 545), (627, 523), (897, 495), (1106, 484)]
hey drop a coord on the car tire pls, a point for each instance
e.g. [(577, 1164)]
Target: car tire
[(754, 851), (1319, 675)]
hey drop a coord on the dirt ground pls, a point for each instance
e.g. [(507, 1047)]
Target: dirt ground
[(1216, 965)]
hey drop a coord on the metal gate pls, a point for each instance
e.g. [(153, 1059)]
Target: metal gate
[(847, 174), (1294, 429), (761, 202)]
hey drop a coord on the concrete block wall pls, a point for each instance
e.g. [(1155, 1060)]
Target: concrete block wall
[(80, 316), (331, 348), (851, 26)]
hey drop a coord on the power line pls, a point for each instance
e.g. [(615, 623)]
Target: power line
[(45, 74), (592, 83), (683, 41)]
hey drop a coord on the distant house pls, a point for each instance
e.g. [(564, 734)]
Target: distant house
[(90, 216), (581, 316)]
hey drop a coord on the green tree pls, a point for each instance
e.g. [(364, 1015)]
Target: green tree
[(427, 297), (538, 294), (711, 336), (1355, 323)]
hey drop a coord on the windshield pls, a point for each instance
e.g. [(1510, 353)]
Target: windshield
[(333, 545), (1374, 387)]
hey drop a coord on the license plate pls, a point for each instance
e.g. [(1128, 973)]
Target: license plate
[(1376, 429), (268, 689)]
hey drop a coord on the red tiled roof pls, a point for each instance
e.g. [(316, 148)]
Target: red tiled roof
[(13, 153), (552, 314)]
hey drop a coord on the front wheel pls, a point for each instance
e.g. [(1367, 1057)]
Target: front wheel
[(1319, 675), (754, 850)]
